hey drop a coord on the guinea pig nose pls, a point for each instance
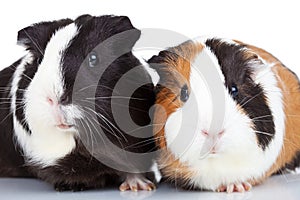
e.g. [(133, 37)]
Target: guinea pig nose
[(205, 133), (50, 101), (221, 133)]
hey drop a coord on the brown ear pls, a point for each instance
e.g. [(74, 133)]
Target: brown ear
[(177, 59)]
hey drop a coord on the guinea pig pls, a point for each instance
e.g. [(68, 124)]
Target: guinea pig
[(48, 130), (226, 115)]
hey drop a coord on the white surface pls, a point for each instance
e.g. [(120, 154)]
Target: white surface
[(277, 187)]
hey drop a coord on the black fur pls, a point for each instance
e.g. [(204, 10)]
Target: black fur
[(251, 97), (292, 165), (80, 170), (34, 38), (11, 160)]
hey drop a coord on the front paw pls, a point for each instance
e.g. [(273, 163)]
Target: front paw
[(135, 182), (61, 187), (235, 187)]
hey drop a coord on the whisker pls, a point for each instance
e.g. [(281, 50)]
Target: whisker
[(249, 100), (118, 104), (173, 100), (263, 120), (24, 75), (11, 113), (107, 122), (148, 141), (141, 127), (84, 88), (259, 117), (88, 135), (116, 97), (264, 133), (91, 135), (110, 131), (87, 87)]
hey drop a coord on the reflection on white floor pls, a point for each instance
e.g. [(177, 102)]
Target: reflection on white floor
[(282, 187)]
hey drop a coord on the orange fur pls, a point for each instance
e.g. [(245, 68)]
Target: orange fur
[(179, 61), (289, 85), (173, 169), (287, 82)]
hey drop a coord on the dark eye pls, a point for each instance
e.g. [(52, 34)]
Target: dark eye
[(93, 59), (184, 94), (234, 90)]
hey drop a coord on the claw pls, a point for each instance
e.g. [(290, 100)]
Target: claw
[(136, 183), (237, 187), (247, 186)]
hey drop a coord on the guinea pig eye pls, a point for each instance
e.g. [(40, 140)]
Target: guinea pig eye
[(234, 90), (93, 59), (184, 93)]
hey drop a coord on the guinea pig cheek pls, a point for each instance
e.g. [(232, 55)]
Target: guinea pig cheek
[(239, 138), (180, 133), (43, 111), (172, 130)]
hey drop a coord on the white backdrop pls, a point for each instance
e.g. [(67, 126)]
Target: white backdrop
[(272, 25)]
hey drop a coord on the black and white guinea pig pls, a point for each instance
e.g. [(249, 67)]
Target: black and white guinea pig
[(42, 127), (229, 114)]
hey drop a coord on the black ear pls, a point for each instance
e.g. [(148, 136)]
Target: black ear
[(35, 37), (82, 19), (119, 32), (121, 23), (128, 33)]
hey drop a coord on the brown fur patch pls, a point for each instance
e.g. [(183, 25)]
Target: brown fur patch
[(175, 171), (175, 65), (172, 168), (174, 68), (289, 85)]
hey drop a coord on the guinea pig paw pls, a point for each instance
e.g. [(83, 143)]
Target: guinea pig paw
[(237, 187), (136, 183)]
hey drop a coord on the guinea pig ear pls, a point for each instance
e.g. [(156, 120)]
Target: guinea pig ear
[(35, 37), (82, 19), (159, 62), (128, 34), (256, 65)]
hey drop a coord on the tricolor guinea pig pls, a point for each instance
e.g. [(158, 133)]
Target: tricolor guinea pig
[(226, 115), (47, 128)]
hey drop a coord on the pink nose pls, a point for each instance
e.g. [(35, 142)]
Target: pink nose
[(50, 101), (207, 134)]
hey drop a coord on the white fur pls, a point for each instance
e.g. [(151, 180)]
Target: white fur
[(20, 133), (152, 72), (46, 143), (238, 158)]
